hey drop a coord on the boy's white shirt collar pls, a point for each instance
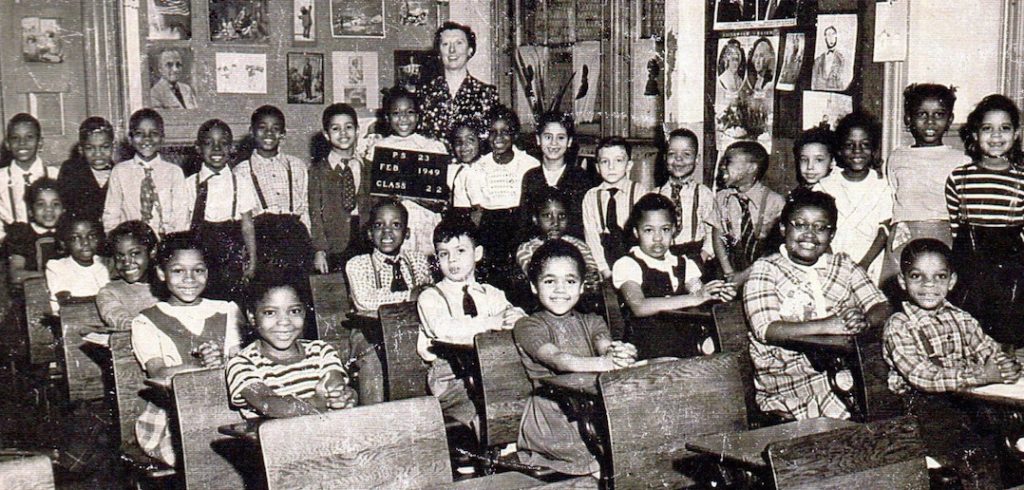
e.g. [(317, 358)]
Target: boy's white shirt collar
[(622, 185), (138, 159), (451, 285), (37, 169), (914, 312), (206, 173), (335, 161)]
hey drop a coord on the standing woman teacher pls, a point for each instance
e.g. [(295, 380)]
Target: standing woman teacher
[(455, 96)]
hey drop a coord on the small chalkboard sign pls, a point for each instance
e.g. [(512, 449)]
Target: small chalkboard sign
[(413, 174)]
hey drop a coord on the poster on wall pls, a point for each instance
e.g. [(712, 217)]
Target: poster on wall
[(755, 14), (586, 62), (792, 61), (41, 40), (239, 21), (170, 78), (305, 78), (891, 30), (357, 18), (835, 49), (241, 73), (304, 21), (355, 78), (531, 71), (415, 68), (169, 19), (745, 90), (825, 108), (418, 13)]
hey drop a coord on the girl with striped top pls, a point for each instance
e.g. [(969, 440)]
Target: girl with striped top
[(279, 375), (985, 200)]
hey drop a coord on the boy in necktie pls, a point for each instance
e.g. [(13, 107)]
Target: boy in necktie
[(456, 309)]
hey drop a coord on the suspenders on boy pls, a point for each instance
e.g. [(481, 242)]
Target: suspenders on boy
[(259, 191), (25, 185)]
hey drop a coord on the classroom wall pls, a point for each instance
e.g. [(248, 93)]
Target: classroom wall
[(303, 120), (61, 82)]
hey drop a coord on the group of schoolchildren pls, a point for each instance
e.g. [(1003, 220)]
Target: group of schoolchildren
[(184, 253)]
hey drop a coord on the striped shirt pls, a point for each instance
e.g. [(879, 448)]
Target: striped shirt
[(982, 197), (936, 351), (298, 380)]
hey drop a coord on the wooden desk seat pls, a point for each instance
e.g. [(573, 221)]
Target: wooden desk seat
[(332, 306), (731, 329), (26, 473), (82, 362), (405, 373), (613, 311), (399, 444), (652, 410), (128, 382), (885, 454), (42, 346), (201, 402)]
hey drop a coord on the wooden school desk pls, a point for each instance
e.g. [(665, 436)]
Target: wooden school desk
[(582, 394)]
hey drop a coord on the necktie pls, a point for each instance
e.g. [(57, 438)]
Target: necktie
[(397, 281), (150, 201), (348, 187), (748, 235), (468, 305), (202, 193), (611, 214), (177, 94), (676, 191)]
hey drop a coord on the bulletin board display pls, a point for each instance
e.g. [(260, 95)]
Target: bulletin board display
[(232, 56)]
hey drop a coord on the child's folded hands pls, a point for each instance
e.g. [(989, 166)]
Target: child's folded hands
[(210, 354), (335, 393)]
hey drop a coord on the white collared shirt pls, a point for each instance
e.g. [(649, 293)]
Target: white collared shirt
[(221, 192)]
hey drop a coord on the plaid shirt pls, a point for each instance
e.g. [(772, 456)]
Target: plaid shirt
[(272, 174), (934, 351), (369, 278), (779, 290)]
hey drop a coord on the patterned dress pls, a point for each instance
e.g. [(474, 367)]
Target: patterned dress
[(440, 111)]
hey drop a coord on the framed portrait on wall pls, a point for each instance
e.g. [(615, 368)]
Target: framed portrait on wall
[(169, 19), (355, 79), (792, 54), (835, 50), (170, 78), (304, 21), (755, 14), (305, 78), (41, 40), (239, 21), (357, 18), (417, 13)]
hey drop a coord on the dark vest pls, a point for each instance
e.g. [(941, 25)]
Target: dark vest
[(657, 284), (186, 342)]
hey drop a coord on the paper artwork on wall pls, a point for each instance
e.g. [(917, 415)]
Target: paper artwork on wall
[(357, 18), (305, 78), (304, 21), (891, 19), (835, 50), (745, 90), (821, 108), (356, 79), (417, 13), (169, 19), (586, 62), (241, 73), (533, 69), (239, 21), (792, 61), (41, 40), (414, 68), (755, 14), (170, 77)]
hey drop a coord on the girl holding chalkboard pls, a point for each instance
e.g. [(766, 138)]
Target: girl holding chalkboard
[(402, 111)]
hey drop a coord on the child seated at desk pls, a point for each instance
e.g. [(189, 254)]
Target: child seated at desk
[(183, 332), (280, 375), (122, 299), (549, 215), (653, 280), (455, 310), (933, 347), (804, 290), (45, 208), (81, 273), (389, 274), (559, 340)]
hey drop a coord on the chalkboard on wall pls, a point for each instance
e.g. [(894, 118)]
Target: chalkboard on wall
[(413, 174)]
